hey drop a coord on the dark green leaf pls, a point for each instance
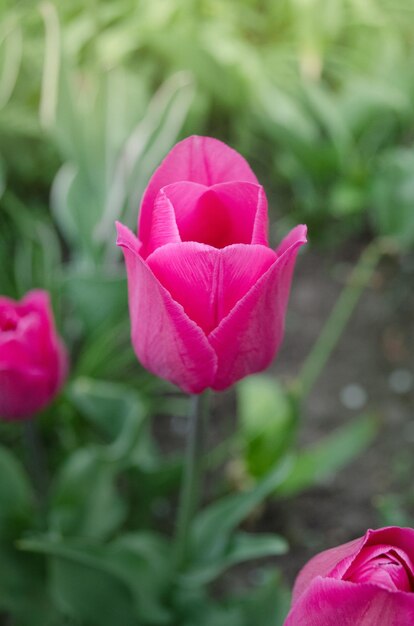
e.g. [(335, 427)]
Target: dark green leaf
[(85, 501), (328, 456), (228, 513), (242, 547)]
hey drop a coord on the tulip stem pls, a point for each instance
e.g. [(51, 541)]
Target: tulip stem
[(35, 460), (192, 476), (339, 317)]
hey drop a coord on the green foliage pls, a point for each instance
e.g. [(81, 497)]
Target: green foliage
[(392, 197), (269, 420), (324, 459)]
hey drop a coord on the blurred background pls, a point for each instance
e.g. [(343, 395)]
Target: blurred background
[(319, 97)]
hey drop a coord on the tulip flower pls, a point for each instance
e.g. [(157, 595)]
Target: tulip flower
[(33, 360), (207, 295), (367, 582)]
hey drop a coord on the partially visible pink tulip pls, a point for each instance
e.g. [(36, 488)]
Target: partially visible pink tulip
[(367, 582), (33, 360), (207, 295)]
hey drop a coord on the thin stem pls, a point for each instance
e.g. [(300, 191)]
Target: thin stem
[(339, 317), (192, 478), (35, 460)]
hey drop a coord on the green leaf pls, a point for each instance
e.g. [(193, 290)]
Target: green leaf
[(392, 196), (98, 298), (106, 405), (228, 513), (268, 420), (325, 107), (23, 588), (267, 605), (83, 585), (23, 591), (142, 561), (328, 456), (242, 547), (85, 501), (15, 493)]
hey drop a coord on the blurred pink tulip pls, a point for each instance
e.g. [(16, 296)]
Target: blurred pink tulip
[(33, 360), (367, 582), (207, 295)]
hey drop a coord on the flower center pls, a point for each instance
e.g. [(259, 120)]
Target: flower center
[(386, 568), (209, 223)]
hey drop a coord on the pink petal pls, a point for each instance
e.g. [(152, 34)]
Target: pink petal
[(201, 160), (218, 216), (382, 565), (299, 232), (53, 352), (173, 206), (33, 348), (337, 561), (206, 281), (23, 392), (330, 602), (247, 340), (166, 341), (224, 214), (325, 563), (164, 227)]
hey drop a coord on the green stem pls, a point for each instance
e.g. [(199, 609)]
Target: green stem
[(339, 317), (192, 478), (35, 460)]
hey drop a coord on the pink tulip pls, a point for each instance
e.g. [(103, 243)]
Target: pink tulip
[(33, 361), (367, 582), (207, 295)]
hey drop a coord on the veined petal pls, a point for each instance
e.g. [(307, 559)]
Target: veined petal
[(173, 208), (166, 340), (187, 272), (217, 216), (201, 160), (247, 340), (332, 602), (335, 562), (164, 228), (206, 281)]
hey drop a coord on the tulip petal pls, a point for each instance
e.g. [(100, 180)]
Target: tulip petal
[(218, 216), (331, 602), (297, 233), (34, 345), (336, 562), (173, 207), (326, 563), (166, 341), (206, 281), (247, 340), (23, 392), (187, 272), (50, 345), (246, 207), (164, 228), (201, 160)]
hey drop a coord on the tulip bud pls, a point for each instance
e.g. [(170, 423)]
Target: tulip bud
[(33, 361), (365, 582), (207, 295)]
